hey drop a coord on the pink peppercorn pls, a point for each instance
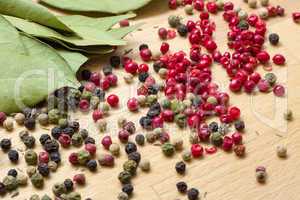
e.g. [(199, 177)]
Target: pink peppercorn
[(228, 6), (106, 141), (104, 84), (131, 67), (90, 86), (112, 79), (43, 157), (79, 179), (157, 122), (91, 148), (95, 78), (249, 86), (237, 138), (133, 104), (263, 57), (2, 117), (278, 59), (279, 90), (172, 4), (255, 77), (164, 48), (171, 34), (234, 113), (196, 150), (168, 115), (227, 143), (163, 33), (146, 54), (73, 158), (165, 137), (124, 23), (193, 121), (64, 140), (280, 11), (211, 150), (97, 114), (204, 134), (235, 85), (263, 85), (113, 100), (212, 7), (123, 136), (191, 25), (252, 19), (143, 68), (84, 105), (199, 5), (210, 45)]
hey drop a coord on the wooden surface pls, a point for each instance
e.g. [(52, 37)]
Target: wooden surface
[(220, 176)]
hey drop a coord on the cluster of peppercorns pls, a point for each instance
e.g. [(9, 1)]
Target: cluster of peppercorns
[(192, 193), (12, 181)]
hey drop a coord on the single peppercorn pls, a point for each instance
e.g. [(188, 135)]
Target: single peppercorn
[(52, 166), (5, 144), (43, 119), (43, 169), (10, 183), (68, 184), (30, 171), (55, 157), (168, 149), (281, 151), (271, 78), (145, 165), (182, 30), (44, 138), (13, 156), (34, 197), (135, 156), (174, 20), (140, 139), (115, 61), (37, 180), (29, 141), (130, 147), (125, 177), (58, 189), (83, 157), (45, 197), (29, 123), (56, 132), (79, 179), (143, 76), (107, 70), (77, 140), (186, 155), (123, 196), (288, 115), (181, 187), (130, 127), (128, 189), (146, 122), (239, 150), (143, 46), (8, 124), (51, 146), (216, 139), (213, 127), (31, 157), (106, 160), (274, 38), (22, 179), (92, 165), (85, 74), (114, 149), (130, 166), (239, 125), (12, 172), (261, 176), (180, 167), (89, 140), (193, 194)]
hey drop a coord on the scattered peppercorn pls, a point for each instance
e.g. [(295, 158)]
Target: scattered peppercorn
[(79, 179), (51, 146), (125, 177), (58, 189), (8, 124), (68, 184), (37, 180), (274, 38), (5, 144), (168, 149), (123, 196), (239, 150), (181, 187), (22, 179), (281, 151), (43, 119), (85, 74), (130, 147), (10, 183), (186, 155), (89, 140), (20, 118), (239, 125), (52, 166), (29, 141), (193, 194), (92, 165), (56, 132), (31, 157), (12, 172), (29, 123), (140, 139), (106, 160), (115, 61), (128, 188), (130, 166), (180, 167), (2, 189), (13, 156), (43, 169), (30, 171), (55, 157), (77, 140), (114, 149), (135, 156), (174, 21), (143, 46)]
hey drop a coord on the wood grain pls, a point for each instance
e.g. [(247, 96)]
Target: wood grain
[(220, 176)]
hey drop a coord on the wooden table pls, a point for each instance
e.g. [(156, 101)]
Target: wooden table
[(220, 176)]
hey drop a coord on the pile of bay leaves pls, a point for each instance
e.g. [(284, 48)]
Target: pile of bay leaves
[(31, 65)]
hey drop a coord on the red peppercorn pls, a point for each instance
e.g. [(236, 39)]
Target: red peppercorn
[(123, 136), (204, 134), (73, 158), (112, 79), (234, 113), (133, 104), (91, 148), (278, 59), (249, 86), (263, 85), (95, 78), (79, 179), (211, 150), (280, 11), (263, 57), (163, 33), (2, 117), (164, 48), (235, 85), (172, 4), (191, 25), (124, 23), (149, 81), (143, 68), (171, 34), (252, 19), (227, 143), (43, 157), (228, 6), (193, 121), (237, 138), (90, 86), (113, 100), (199, 5), (97, 114), (84, 104), (210, 45), (106, 141), (168, 115), (64, 140), (196, 150), (255, 77), (131, 67), (239, 150), (212, 7), (146, 54), (279, 90)]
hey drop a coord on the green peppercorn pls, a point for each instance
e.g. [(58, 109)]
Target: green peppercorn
[(174, 20), (63, 123), (37, 180), (189, 9), (271, 78), (43, 119), (175, 106), (10, 183), (177, 143), (52, 166), (74, 196), (145, 165), (59, 189), (8, 124), (165, 103), (142, 99), (86, 95), (150, 137), (243, 25), (30, 171), (140, 139), (34, 197), (45, 197), (31, 157), (94, 102), (180, 120), (264, 2), (83, 157), (216, 138), (151, 99), (263, 13), (123, 196), (220, 4), (102, 125), (130, 166), (212, 100), (252, 3), (104, 107), (22, 179), (186, 155), (20, 118), (114, 149), (121, 122), (168, 149), (77, 140), (125, 177), (288, 115), (158, 132)]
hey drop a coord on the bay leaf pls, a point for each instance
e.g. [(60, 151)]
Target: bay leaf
[(74, 59), (29, 72), (105, 6)]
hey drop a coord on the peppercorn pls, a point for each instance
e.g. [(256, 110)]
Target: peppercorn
[(288, 115), (13, 156), (263, 13), (31, 157), (281, 151), (59, 189), (86, 95), (140, 139), (92, 165), (193, 194), (102, 125), (180, 167), (10, 183), (239, 125), (261, 176), (128, 78), (223, 129), (89, 140), (180, 120), (45, 197), (85, 74), (271, 78), (143, 76), (125, 177), (12, 172), (77, 140), (143, 46), (177, 143), (165, 103), (2, 189), (146, 122), (30, 171), (194, 138), (56, 132), (264, 2), (20, 118), (274, 38), (168, 149), (29, 141), (130, 147), (216, 139), (68, 184), (5, 144), (239, 150), (43, 119), (43, 169), (114, 149), (37, 180), (181, 187), (55, 156), (153, 89), (182, 30), (242, 15), (79, 179), (8, 124), (213, 127), (83, 157), (189, 9), (115, 61), (151, 99), (84, 133), (186, 155), (130, 166), (29, 123), (135, 156), (174, 21), (252, 3), (34, 197), (100, 94), (74, 196), (44, 138), (22, 179), (150, 137), (130, 127), (106, 160), (128, 188), (243, 25), (51, 146), (52, 166), (123, 196)]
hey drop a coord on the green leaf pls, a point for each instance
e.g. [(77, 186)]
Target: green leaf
[(74, 59), (26, 9), (122, 32), (30, 70), (106, 6)]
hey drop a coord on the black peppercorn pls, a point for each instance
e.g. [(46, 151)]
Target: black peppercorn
[(115, 61), (84, 133), (5, 144), (107, 70), (55, 157), (100, 94), (2, 189), (51, 146), (56, 132), (193, 194), (157, 65), (69, 131), (29, 141), (29, 123), (81, 88), (85, 74), (146, 122), (143, 76), (239, 125), (44, 138), (143, 46), (92, 165), (43, 169), (213, 126), (274, 38), (13, 156), (74, 125), (135, 156), (12, 172), (89, 140), (140, 139), (181, 187), (153, 89), (153, 113), (180, 167), (130, 147), (182, 30), (68, 184), (127, 188)]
